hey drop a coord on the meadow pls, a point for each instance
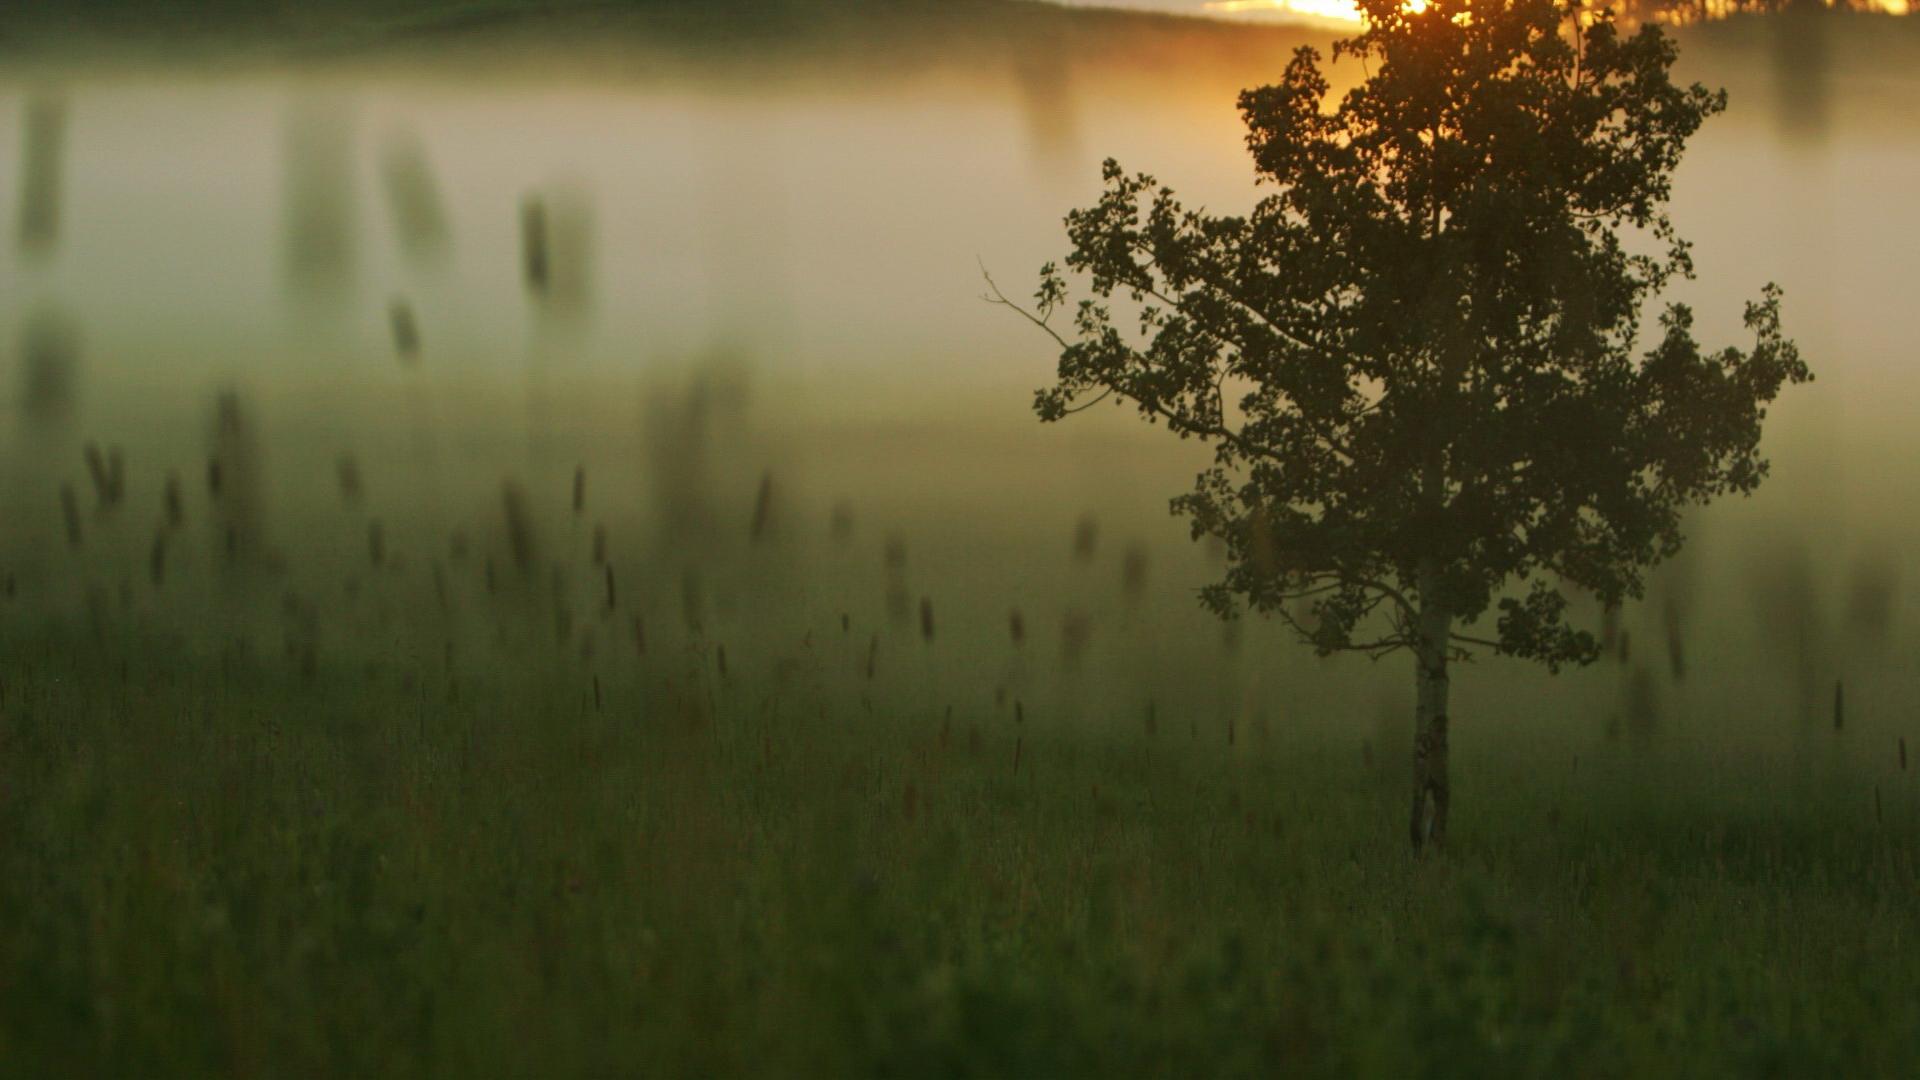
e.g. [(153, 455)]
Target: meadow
[(775, 784)]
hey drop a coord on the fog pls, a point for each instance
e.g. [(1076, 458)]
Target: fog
[(453, 278)]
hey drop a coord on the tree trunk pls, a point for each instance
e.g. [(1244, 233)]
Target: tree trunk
[(1430, 791)]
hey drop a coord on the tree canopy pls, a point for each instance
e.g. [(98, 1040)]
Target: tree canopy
[(1419, 359)]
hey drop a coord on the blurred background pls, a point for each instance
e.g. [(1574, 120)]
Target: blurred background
[(295, 296)]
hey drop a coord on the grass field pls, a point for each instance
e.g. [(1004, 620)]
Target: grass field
[(219, 869), (300, 811)]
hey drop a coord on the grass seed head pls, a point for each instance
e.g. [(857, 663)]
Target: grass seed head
[(172, 503), (419, 212), (762, 509), (70, 512), (97, 472), (520, 535), (1086, 538), (346, 472), (535, 257), (1133, 569), (406, 331), (1676, 644)]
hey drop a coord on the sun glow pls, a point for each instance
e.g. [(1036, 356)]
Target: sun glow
[(1340, 11)]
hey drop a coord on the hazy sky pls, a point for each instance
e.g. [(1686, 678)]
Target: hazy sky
[(1280, 10), (1319, 11)]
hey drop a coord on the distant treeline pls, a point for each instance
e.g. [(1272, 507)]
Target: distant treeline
[(903, 33), (247, 14), (1692, 11), (243, 15), (874, 34), (245, 19)]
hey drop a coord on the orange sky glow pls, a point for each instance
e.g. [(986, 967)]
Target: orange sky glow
[(1348, 13)]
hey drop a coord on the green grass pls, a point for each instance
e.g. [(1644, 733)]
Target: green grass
[(213, 866)]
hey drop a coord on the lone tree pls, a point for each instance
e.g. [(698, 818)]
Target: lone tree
[(1417, 361)]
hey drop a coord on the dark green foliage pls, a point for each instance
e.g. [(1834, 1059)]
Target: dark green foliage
[(1422, 349)]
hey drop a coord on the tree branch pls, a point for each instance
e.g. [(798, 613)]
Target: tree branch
[(1332, 443), (995, 296)]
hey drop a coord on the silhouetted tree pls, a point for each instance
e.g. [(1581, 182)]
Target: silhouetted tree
[(1416, 360)]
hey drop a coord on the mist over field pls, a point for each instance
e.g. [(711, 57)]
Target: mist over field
[(523, 549)]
